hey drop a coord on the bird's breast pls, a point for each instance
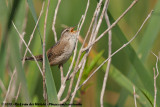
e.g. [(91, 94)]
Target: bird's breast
[(69, 48)]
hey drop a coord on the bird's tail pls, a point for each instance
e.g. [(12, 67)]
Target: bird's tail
[(38, 58)]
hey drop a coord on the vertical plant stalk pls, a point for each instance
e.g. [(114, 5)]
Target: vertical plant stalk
[(62, 76), (123, 46), (97, 10), (99, 21), (63, 85), (155, 78), (55, 38), (74, 71), (155, 88), (135, 96), (78, 82), (96, 26), (109, 61), (44, 53), (54, 20)]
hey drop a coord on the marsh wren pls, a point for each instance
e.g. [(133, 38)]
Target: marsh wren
[(59, 53)]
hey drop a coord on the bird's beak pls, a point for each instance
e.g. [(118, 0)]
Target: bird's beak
[(72, 30)]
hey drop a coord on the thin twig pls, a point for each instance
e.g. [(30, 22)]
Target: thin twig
[(133, 3), (97, 10), (54, 20), (79, 24), (62, 83), (118, 49), (155, 78), (109, 61), (9, 88), (31, 37), (100, 20), (156, 64), (155, 87), (62, 76), (93, 35), (135, 96), (19, 89), (27, 47), (78, 82), (44, 53), (74, 72)]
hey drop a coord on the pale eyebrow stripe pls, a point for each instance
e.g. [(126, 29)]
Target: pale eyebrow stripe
[(64, 31)]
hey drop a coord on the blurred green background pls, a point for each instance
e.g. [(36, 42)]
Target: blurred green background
[(131, 66)]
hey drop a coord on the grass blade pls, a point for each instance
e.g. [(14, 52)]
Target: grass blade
[(131, 55), (150, 34), (50, 84)]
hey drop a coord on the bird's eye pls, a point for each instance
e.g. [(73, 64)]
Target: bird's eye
[(66, 30)]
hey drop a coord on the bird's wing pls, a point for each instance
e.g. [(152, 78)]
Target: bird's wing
[(56, 50)]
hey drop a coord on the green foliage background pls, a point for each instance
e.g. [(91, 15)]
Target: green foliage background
[(131, 66)]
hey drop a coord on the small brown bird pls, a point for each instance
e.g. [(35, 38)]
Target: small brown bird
[(62, 50)]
